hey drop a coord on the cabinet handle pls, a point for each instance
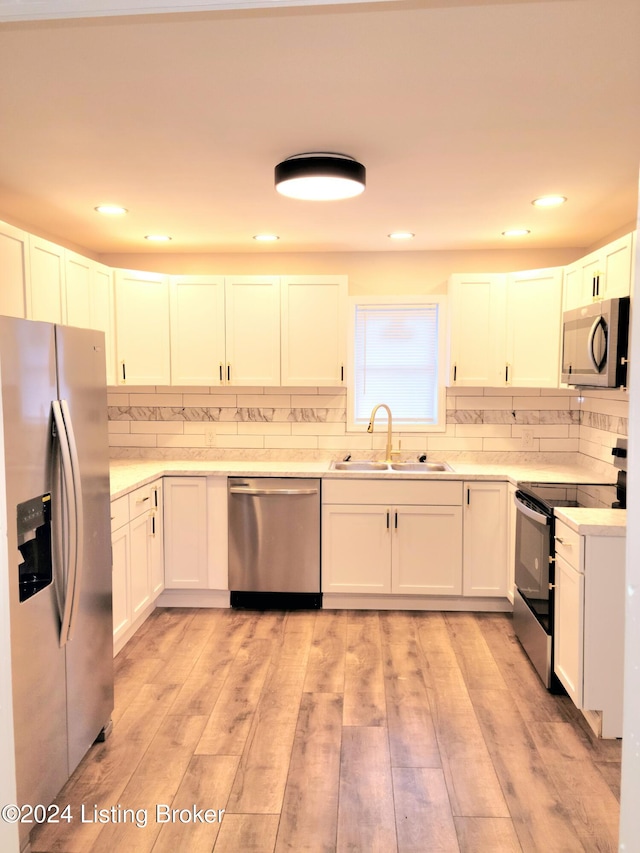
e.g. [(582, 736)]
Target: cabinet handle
[(342, 373), (455, 372), (228, 372), (468, 496), (221, 369), (395, 522), (142, 500), (506, 372), (155, 498), (124, 371), (388, 519), (153, 525), (561, 541)]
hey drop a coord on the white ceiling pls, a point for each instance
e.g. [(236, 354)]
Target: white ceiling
[(462, 112)]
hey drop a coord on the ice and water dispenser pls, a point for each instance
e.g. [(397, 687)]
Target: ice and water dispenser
[(34, 544)]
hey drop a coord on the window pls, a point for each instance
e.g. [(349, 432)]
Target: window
[(397, 358)]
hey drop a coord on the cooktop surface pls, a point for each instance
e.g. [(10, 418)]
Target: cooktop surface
[(592, 495)]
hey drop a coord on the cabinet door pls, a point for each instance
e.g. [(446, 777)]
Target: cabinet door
[(477, 329), (253, 330), (140, 555), (568, 626), (185, 532), (142, 328), (572, 290), (427, 550), (197, 330), (102, 314), (77, 271), (356, 548), (14, 271), (511, 540), (534, 321), (314, 330), (485, 539), (46, 282), (120, 581), (616, 263), (156, 545)]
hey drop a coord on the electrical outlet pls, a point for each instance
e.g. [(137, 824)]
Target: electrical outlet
[(210, 435), (527, 438)]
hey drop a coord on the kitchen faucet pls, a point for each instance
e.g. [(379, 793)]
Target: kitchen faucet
[(388, 450)]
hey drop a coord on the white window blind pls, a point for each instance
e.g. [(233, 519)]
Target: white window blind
[(395, 361)]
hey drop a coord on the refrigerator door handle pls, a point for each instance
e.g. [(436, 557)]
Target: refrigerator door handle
[(79, 517), (69, 495)]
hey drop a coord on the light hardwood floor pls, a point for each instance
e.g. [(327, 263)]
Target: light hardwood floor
[(370, 732)]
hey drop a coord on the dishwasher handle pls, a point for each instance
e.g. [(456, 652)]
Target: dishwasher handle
[(244, 490)]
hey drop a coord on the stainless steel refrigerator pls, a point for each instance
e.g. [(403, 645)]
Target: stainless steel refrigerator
[(54, 411)]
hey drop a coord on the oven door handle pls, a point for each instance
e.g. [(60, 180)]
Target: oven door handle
[(540, 517)]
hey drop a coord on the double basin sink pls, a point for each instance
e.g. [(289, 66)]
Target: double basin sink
[(366, 465)]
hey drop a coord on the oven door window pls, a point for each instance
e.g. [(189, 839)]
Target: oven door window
[(532, 564)]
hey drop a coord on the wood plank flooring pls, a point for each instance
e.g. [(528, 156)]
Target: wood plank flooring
[(361, 731)]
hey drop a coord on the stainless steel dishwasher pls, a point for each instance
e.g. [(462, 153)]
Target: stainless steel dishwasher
[(274, 542)]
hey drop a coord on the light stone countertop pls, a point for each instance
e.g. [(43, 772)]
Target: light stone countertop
[(127, 474), (594, 522)]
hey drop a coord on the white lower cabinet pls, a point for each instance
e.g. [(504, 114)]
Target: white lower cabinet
[(185, 533), (589, 625), (392, 537), (485, 537), (136, 542)]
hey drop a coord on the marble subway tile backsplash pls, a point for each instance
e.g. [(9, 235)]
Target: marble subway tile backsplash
[(310, 423)]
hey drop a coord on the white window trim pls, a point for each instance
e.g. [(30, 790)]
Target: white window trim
[(426, 299)]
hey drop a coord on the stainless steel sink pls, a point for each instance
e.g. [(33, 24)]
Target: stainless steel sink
[(420, 466), (361, 465), (368, 465)]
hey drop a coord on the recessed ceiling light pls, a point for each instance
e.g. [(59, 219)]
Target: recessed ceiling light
[(111, 209), (549, 201), (516, 232), (157, 238), (401, 235), (266, 238), (320, 176)]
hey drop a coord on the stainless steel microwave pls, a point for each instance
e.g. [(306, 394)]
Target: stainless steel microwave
[(595, 342)]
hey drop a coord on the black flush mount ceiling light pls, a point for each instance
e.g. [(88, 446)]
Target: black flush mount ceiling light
[(320, 176)]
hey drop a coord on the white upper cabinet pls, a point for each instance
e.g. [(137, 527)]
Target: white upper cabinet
[(197, 330), (102, 313), (14, 271), (477, 307), (77, 271), (46, 298), (505, 329), (534, 327), (602, 274), (252, 330), (314, 334), (142, 328)]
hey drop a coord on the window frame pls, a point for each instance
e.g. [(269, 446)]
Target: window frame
[(393, 301)]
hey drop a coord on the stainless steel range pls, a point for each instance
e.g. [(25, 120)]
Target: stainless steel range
[(533, 609)]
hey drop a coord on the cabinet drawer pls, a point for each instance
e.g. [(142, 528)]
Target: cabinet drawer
[(139, 501), (119, 512), (567, 544), (376, 491)]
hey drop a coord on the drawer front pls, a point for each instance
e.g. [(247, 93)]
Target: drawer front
[(139, 501), (567, 544), (119, 512), (376, 491)]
